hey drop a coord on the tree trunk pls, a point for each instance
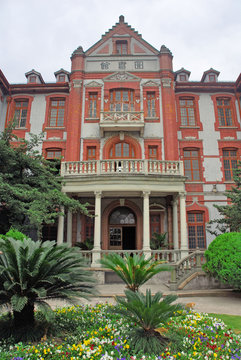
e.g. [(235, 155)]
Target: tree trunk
[(25, 317)]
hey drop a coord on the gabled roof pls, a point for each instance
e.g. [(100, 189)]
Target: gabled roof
[(121, 28), (34, 72), (4, 85), (210, 71)]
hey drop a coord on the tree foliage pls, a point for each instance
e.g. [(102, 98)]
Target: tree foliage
[(30, 186), (133, 270), (148, 313), (230, 219), (223, 259), (34, 272)]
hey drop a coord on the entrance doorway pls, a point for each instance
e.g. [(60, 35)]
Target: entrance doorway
[(122, 229)]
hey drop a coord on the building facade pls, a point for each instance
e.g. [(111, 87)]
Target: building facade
[(149, 150)]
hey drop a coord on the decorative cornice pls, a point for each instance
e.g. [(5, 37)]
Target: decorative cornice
[(77, 83), (93, 84), (150, 83), (121, 76), (166, 82)]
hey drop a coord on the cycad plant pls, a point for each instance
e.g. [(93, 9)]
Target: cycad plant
[(34, 272), (133, 270), (148, 313)]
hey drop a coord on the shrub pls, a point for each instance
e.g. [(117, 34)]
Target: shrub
[(133, 270), (34, 272), (15, 234), (223, 258), (148, 313)]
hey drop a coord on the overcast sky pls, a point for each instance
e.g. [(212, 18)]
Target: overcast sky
[(42, 34)]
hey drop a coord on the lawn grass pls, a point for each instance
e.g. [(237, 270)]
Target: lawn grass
[(232, 321)]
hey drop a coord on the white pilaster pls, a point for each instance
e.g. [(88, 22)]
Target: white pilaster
[(183, 224), (69, 228), (97, 230), (175, 223), (146, 222), (60, 235)]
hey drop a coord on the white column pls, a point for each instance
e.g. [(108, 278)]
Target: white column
[(146, 223), (60, 236), (69, 228), (175, 223), (97, 231), (183, 224)]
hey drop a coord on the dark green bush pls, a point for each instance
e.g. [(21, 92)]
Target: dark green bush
[(224, 259)]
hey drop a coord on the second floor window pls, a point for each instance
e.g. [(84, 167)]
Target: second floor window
[(53, 154), (151, 104), (56, 112), (224, 112), (91, 152), (20, 113), (92, 105), (187, 110), (230, 162), (121, 47), (122, 100), (122, 150), (152, 152), (192, 164)]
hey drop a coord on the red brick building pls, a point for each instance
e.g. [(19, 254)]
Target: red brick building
[(149, 150)]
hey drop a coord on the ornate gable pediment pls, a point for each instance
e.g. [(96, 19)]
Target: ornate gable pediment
[(150, 83), (121, 76), (93, 84)]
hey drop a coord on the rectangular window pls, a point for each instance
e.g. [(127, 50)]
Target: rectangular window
[(89, 227), (122, 100), (32, 79), (61, 78), (192, 164), (230, 162), (121, 47), (212, 78), (155, 224), (151, 104), (92, 105), (224, 112), (152, 152), (20, 113), (183, 77), (53, 154), (187, 111), (56, 112), (91, 152), (196, 232)]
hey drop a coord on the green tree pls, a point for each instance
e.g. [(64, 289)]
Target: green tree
[(230, 219), (148, 313), (133, 270), (30, 186), (34, 272), (223, 259)]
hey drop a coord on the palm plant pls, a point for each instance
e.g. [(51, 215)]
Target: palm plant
[(148, 313), (133, 270), (34, 272)]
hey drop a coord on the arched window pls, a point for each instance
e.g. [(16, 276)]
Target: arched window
[(122, 216), (196, 230), (192, 164), (122, 100), (122, 150)]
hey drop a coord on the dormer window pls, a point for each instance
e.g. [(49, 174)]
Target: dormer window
[(183, 77), (212, 78), (121, 47), (32, 79), (61, 78)]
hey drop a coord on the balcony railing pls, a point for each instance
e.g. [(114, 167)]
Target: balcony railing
[(117, 167), (118, 120)]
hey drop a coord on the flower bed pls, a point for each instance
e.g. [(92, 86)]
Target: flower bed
[(95, 333)]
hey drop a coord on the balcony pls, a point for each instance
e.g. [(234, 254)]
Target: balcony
[(121, 121), (119, 167)]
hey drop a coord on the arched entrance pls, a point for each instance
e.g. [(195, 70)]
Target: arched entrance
[(122, 229)]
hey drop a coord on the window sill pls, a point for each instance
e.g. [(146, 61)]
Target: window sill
[(92, 120), (227, 127), (194, 182), (228, 182), (189, 127), (20, 128), (54, 128)]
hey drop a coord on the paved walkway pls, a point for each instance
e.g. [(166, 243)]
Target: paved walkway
[(210, 301)]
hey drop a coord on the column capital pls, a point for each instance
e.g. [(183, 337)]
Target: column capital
[(182, 194), (146, 193), (174, 200), (98, 194)]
